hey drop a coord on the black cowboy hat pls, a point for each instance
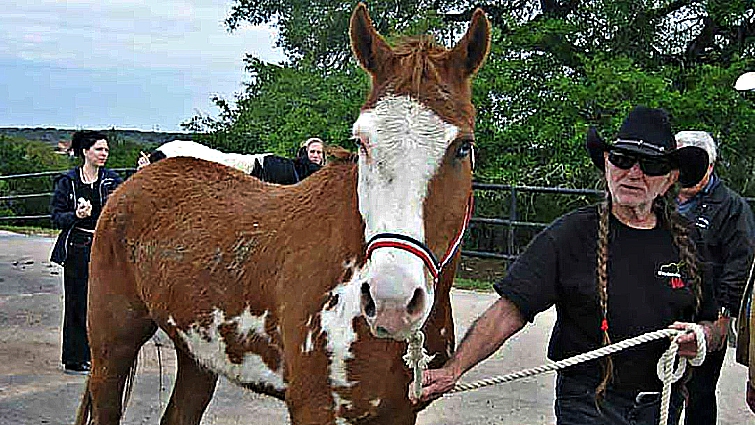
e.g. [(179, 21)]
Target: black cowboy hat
[(647, 132)]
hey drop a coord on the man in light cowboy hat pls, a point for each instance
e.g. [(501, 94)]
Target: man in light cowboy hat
[(723, 229), (746, 318), (614, 271)]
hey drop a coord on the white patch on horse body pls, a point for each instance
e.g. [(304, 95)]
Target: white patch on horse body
[(307, 346), (443, 332), (336, 323), (209, 348), (375, 402), (405, 143), (193, 149)]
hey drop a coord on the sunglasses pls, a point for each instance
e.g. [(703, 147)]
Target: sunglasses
[(649, 166)]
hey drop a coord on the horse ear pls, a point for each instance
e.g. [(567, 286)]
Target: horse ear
[(368, 46), (472, 49)]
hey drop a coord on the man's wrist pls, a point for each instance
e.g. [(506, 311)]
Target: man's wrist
[(455, 368)]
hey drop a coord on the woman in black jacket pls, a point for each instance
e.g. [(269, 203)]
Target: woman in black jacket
[(310, 157), (75, 206)]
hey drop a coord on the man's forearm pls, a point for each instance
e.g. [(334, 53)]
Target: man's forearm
[(499, 322)]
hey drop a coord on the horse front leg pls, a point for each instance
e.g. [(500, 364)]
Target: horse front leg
[(309, 398)]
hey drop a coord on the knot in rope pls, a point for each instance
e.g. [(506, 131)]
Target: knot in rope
[(417, 359)]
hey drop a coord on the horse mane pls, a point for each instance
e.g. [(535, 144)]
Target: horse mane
[(417, 57), (418, 67), (340, 155)]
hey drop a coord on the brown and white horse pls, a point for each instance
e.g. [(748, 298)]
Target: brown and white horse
[(304, 292)]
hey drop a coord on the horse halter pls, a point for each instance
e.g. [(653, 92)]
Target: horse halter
[(419, 249)]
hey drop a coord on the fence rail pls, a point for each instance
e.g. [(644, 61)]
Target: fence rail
[(511, 223)]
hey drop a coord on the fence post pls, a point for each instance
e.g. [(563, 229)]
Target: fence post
[(512, 219)]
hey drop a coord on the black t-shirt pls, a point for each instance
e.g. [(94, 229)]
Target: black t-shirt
[(559, 267), (88, 191)]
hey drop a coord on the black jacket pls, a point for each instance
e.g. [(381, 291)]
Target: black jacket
[(724, 234), (63, 205), (304, 167)]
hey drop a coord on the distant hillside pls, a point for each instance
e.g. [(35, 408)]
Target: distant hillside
[(54, 135)]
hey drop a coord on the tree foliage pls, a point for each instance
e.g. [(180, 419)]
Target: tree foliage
[(555, 67)]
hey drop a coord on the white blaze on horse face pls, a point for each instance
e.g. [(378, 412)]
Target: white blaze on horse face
[(207, 346), (403, 146)]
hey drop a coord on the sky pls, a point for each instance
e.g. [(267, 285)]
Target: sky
[(128, 64)]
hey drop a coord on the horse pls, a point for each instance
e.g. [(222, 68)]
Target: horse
[(308, 292), (745, 81), (266, 166)]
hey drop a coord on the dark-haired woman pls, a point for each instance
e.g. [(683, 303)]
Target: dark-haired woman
[(613, 271), (76, 203)]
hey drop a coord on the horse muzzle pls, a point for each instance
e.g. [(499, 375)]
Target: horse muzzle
[(394, 310)]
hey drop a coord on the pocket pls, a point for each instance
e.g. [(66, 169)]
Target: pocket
[(575, 403)]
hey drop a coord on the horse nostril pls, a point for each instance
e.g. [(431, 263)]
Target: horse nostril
[(417, 303), (367, 302)]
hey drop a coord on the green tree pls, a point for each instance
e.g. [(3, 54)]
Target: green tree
[(555, 67), (283, 106)]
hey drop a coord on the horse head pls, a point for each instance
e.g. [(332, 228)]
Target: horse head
[(416, 136)]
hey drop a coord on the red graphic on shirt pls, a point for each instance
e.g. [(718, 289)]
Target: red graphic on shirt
[(673, 273), (677, 282)]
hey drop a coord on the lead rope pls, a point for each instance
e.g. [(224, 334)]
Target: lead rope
[(417, 359), (665, 369)]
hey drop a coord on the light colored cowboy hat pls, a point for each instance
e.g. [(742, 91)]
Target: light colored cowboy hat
[(647, 132)]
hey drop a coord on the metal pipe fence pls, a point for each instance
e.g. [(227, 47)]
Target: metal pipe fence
[(511, 223)]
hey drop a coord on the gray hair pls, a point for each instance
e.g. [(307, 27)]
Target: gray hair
[(701, 139)]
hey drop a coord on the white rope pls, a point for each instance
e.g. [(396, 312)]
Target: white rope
[(665, 369), (416, 358)]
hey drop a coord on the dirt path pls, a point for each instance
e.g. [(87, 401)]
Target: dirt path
[(33, 390)]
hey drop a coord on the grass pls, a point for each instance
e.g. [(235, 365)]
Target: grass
[(30, 230), (473, 284)]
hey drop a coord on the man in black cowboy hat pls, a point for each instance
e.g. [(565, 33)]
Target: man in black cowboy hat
[(615, 270), (723, 229)]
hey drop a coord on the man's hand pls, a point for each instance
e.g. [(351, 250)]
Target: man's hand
[(688, 342), (436, 382)]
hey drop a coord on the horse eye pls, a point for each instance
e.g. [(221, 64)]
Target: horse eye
[(362, 143), (464, 148)]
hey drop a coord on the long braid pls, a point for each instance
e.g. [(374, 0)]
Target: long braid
[(672, 221), (602, 274)]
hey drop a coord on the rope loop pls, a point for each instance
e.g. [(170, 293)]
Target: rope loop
[(665, 368)]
